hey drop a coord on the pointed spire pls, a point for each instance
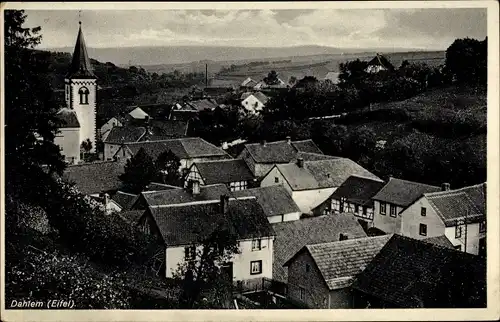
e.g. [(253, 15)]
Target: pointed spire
[(80, 65)]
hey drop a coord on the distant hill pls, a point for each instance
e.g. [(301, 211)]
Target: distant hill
[(186, 54)]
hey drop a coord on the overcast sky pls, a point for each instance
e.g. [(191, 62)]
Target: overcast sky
[(348, 28)]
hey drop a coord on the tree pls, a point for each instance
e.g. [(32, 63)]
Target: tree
[(272, 78), (86, 146), (140, 170), (168, 165), (292, 81), (360, 144), (466, 60), (353, 72)]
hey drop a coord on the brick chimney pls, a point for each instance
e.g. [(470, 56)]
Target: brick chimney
[(195, 187), (300, 162), (224, 204), (445, 186)]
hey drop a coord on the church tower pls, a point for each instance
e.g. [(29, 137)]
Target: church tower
[(81, 91)]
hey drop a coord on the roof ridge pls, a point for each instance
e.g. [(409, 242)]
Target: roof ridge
[(126, 193), (409, 181), (352, 240), (367, 178), (92, 163), (444, 193)]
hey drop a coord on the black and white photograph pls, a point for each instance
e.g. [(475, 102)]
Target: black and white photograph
[(225, 156)]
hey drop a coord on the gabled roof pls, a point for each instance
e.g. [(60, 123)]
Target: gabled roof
[(157, 110), (441, 240), (414, 273), (183, 148), (80, 63), (124, 199), (248, 82), (340, 261), (321, 174), (201, 104), (291, 236), (131, 216), (124, 134), (280, 151), (171, 128), (96, 177), (68, 118), (274, 200), (138, 113), (380, 60), (181, 196), (403, 192), (358, 190), (192, 223), (306, 156), (156, 186), (224, 171)]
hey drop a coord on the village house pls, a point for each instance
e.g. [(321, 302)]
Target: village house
[(117, 120), (458, 214), (320, 275), (394, 196), (276, 202), (119, 135), (311, 183), (291, 236), (379, 63), (411, 273), (183, 228), (248, 83), (253, 102), (233, 173), (261, 157), (68, 138), (186, 111), (355, 196), (188, 150)]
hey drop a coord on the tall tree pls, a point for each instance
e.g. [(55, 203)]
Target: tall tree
[(168, 165), (466, 59), (86, 146), (140, 170), (272, 78)]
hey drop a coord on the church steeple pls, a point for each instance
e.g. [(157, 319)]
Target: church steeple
[(80, 65)]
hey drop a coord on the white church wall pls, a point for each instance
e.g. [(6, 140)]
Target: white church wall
[(86, 112), (69, 141)]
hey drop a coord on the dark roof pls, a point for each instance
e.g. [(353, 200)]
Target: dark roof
[(321, 174), (402, 192), (380, 60), (124, 199), (358, 190), (183, 115), (200, 105), (192, 223), (261, 97), (171, 128), (124, 134), (307, 156), (280, 151), (340, 261), (439, 241), (180, 196), (183, 148), (413, 273), (68, 118), (274, 200), (224, 171), (97, 177), (291, 236), (80, 64), (452, 206), (131, 216), (156, 186), (156, 111)]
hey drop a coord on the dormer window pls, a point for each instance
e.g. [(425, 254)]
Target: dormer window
[(84, 95)]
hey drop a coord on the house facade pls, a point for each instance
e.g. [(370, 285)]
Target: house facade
[(68, 138), (253, 102)]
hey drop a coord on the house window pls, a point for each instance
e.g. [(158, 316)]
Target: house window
[(190, 253), (356, 208), (458, 247), (423, 212), (364, 211), (482, 227), (423, 230), (382, 208), (335, 205), (276, 180), (458, 231), (256, 245), (393, 211), (84, 95), (343, 237), (237, 186), (255, 267), (302, 293), (308, 268)]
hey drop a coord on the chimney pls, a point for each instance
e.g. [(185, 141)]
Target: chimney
[(289, 139), (224, 203), (263, 142), (300, 162), (106, 202), (195, 187), (445, 186)]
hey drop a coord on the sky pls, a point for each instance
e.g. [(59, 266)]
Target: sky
[(432, 29)]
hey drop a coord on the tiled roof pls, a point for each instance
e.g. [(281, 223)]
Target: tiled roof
[(97, 177), (131, 216), (261, 97), (413, 273), (274, 200), (183, 115), (358, 190), (180, 196), (451, 206), (321, 174), (343, 260), (183, 148), (380, 60), (80, 63), (224, 171), (245, 95), (156, 111), (68, 118), (200, 105), (402, 192), (123, 134), (280, 151), (124, 199), (439, 241), (171, 128), (291, 236), (192, 223), (307, 156), (156, 186)]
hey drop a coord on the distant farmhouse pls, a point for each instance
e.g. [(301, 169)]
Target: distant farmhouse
[(379, 63)]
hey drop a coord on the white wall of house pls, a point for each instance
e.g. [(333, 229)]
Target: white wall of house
[(387, 223), (366, 215), (473, 236), (411, 219), (252, 104), (193, 174), (307, 200), (110, 149), (69, 141), (284, 217), (275, 178)]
